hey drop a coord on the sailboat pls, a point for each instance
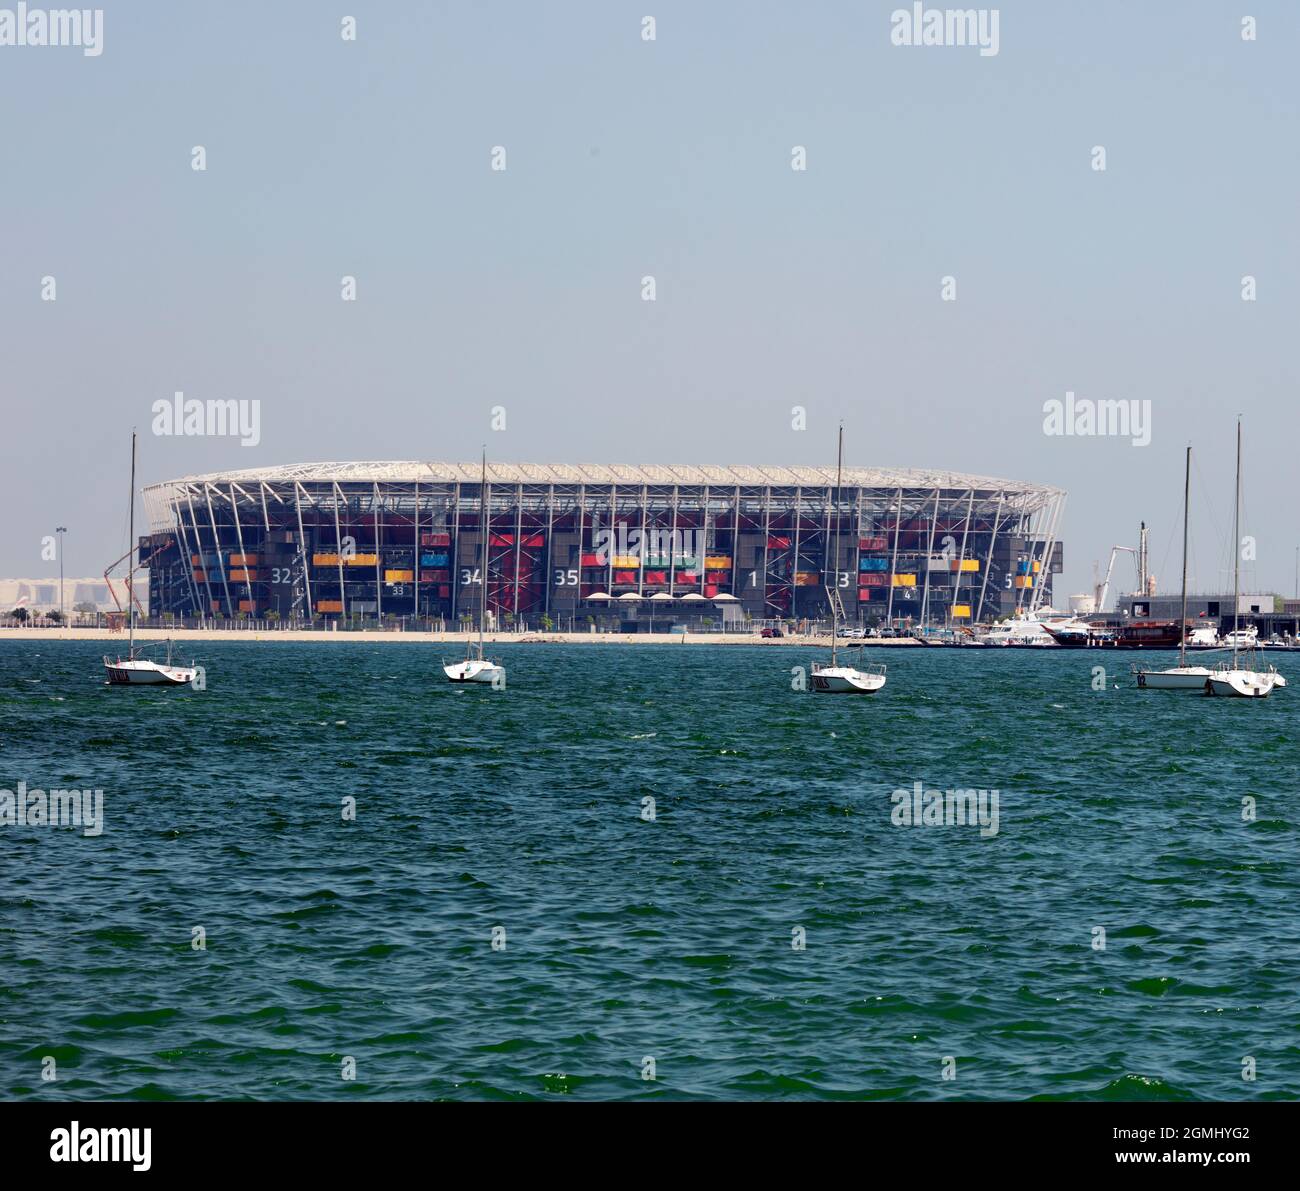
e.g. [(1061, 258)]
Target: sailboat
[(1181, 677), (837, 679), (1234, 679), (476, 667), (139, 671)]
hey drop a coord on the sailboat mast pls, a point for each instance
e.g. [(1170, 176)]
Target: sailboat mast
[(1182, 624), (487, 541), (835, 577), (130, 579), (1236, 551)]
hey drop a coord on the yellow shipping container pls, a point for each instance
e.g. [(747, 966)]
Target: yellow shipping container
[(329, 605), (362, 560), (807, 579), (1038, 566), (1024, 580), (324, 560), (626, 561), (961, 612), (243, 560), (967, 564), (398, 576), (716, 562), (904, 580)]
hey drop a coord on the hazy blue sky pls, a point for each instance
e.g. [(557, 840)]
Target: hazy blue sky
[(522, 288)]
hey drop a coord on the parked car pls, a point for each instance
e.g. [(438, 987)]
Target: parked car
[(771, 631)]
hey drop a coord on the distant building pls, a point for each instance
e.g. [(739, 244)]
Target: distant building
[(578, 541), (1254, 609), (1167, 607), (42, 595)]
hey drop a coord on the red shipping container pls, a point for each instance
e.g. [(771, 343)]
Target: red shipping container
[(872, 579), (444, 592), (877, 543), (687, 577), (592, 560), (656, 577), (778, 543), (722, 578), (624, 576), (864, 593), (710, 590), (435, 539)]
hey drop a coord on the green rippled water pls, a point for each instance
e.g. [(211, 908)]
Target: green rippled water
[(628, 939)]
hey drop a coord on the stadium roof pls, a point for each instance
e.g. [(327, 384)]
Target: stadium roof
[(578, 473)]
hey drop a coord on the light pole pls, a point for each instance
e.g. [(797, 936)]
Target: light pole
[(61, 530)]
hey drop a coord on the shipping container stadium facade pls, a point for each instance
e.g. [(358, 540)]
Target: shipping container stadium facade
[(576, 543)]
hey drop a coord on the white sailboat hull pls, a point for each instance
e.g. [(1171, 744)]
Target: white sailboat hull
[(845, 680), (1176, 678), (142, 672), (1241, 684), (475, 670)]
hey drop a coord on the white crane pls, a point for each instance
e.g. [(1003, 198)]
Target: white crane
[(1102, 590)]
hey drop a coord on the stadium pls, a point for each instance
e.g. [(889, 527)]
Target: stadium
[(578, 544)]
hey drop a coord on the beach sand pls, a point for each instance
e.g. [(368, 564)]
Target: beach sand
[(118, 639)]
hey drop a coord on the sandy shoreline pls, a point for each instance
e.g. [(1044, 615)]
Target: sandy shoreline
[(179, 635)]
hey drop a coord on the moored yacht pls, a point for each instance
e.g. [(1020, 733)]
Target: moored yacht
[(1181, 677), (1029, 628), (836, 679), (1246, 638), (476, 667), (134, 670), (1231, 679)]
